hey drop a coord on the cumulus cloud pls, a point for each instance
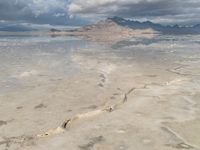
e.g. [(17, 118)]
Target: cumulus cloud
[(36, 11), (184, 11)]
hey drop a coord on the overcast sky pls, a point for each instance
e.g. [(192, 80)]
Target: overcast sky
[(77, 12)]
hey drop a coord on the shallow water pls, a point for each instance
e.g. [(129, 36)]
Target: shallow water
[(35, 57)]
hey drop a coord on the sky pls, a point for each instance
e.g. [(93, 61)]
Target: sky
[(80, 12)]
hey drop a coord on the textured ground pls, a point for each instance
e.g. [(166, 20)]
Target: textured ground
[(141, 97)]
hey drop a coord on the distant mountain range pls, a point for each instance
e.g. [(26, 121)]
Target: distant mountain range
[(15, 28), (175, 29), (115, 29), (24, 27), (112, 25)]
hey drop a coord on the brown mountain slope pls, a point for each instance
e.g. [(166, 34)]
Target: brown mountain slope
[(109, 31)]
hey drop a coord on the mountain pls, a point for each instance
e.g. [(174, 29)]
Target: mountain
[(15, 28), (113, 25), (117, 29), (111, 31), (22, 27), (175, 29)]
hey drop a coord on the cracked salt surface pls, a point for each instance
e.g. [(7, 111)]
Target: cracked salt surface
[(148, 98)]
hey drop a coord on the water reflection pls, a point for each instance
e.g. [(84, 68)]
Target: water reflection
[(23, 57), (166, 39)]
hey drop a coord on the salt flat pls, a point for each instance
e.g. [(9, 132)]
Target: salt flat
[(68, 93)]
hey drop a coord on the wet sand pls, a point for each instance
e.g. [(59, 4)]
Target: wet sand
[(141, 96)]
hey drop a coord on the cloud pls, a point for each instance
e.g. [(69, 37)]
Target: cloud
[(183, 11), (33, 7), (36, 11), (78, 12)]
